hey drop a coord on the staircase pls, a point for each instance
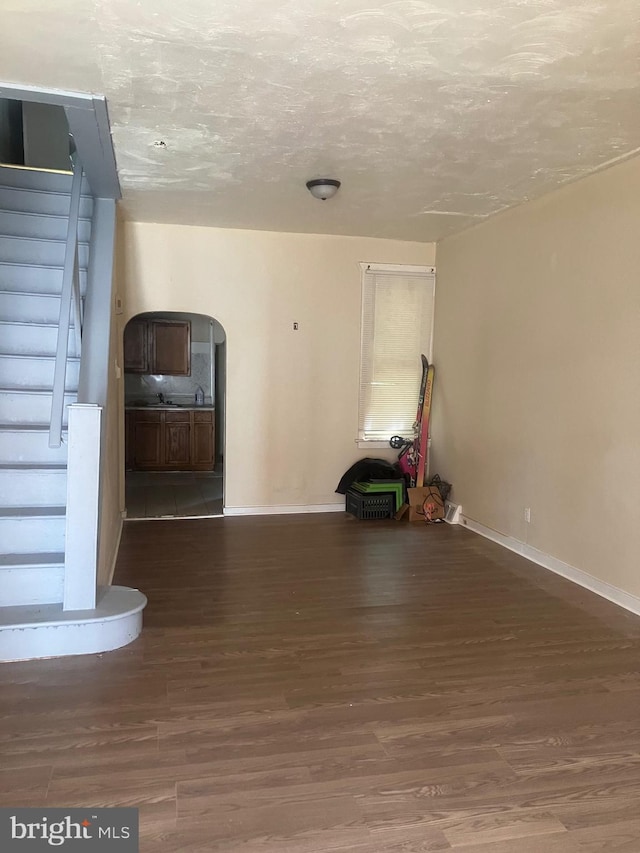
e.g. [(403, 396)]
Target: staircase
[(34, 210), (34, 214)]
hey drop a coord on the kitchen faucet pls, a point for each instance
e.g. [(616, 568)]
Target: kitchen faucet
[(160, 397)]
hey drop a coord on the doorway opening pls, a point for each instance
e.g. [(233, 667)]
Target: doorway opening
[(174, 390)]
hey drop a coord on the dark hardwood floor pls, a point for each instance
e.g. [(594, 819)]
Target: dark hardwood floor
[(316, 683)]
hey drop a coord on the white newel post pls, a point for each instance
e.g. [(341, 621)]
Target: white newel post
[(83, 491)]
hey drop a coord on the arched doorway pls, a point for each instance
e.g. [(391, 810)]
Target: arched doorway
[(174, 389)]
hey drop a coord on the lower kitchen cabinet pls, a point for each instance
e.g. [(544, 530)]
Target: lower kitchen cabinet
[(144, 435), (169, 440), (202, 445), (178, 429)]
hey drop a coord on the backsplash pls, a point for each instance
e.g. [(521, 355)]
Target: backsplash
[(178, 389)]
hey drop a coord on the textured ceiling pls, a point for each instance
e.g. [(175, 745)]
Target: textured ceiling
[(432, 114)]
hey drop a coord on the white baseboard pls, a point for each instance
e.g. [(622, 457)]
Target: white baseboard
[(282, 509), (606, 590)]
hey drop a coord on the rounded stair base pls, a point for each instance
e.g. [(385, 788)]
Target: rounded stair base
[(46, 630)]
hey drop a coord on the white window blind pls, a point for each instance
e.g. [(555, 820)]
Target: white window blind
[(397, 326)]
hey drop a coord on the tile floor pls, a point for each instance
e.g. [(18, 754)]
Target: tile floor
[(173, 495)]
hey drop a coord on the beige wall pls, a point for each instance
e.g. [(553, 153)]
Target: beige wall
[(112, 490), (292, 397), (537, 401), (112, 472)]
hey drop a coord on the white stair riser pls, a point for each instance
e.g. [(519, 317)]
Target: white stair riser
[(31, 279), (29, 201), (17, 250), (25, 372), (28, 408), (30, 307), (23, 445), (33, 585), (41, 181), (25, 535), (33, 487), (15, 223), (31, 340)]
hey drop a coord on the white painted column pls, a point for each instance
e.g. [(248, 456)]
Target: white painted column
[(83, 494)]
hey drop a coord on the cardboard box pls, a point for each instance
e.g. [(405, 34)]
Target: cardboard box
[(425, 504)]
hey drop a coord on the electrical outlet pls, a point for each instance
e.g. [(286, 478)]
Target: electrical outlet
[(527, 514)]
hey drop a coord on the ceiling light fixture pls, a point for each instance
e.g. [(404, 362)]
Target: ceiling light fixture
[(323, 188)]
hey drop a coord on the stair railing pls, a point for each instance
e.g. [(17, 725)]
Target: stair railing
[(69, 299), (91, 457)]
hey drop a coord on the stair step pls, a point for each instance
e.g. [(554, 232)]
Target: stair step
[(27, 579), (37, 201), (27, 371), (44, 180), (18, 223), (29, 484), (17, 338), (26, 278), (30, 307), (26, 530), (29, 405), (30, 443), (29, 250), (41, 180), (31, 560)]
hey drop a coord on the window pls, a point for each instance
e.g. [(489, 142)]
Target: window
[(397, 326)]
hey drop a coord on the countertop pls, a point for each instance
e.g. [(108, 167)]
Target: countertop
[(169, 407)]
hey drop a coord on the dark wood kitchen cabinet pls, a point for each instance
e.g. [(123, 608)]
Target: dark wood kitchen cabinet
[(203, 444), (136, 347), (169, 440), (144, 440), (159, 347), (170, 347), (177, 440)]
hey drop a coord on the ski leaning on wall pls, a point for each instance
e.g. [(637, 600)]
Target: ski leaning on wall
[(423, 432), (413, 456)]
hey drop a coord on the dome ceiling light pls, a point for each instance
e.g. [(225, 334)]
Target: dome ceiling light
[(323, 188)]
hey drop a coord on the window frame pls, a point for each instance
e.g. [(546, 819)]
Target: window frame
[(428, 272)]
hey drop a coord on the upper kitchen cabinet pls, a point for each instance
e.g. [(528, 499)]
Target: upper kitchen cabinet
[(170, 347), (160, 347), (136, 347)]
